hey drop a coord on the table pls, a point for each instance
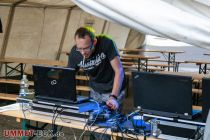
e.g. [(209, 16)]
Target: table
[(47, 119), (202, 65), (140, 58), (171, 55), (21, 62)]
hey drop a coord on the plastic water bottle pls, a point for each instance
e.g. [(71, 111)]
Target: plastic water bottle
[(24, 86), (155, 131)]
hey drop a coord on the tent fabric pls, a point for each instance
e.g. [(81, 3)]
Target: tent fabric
[(164, 18), (205, 2), (135, 40), (44, 3), (53, 2), (193, 7), (37, 29)]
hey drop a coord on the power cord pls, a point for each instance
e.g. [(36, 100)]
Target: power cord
[(86, 125), (75, 138)]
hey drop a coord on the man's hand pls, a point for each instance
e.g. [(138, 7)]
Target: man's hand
[(112, 103)]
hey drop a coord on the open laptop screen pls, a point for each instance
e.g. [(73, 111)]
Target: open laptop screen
[(54, 83), (205, 98), (162, 94)]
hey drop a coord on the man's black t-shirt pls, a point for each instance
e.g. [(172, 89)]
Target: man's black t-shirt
[(98, 65)]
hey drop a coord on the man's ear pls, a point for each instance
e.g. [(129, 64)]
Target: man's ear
[(94, 42)]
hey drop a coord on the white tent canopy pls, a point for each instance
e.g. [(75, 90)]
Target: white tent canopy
[(186, 21)]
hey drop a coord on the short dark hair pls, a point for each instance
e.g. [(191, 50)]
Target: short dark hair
[(83, 31)]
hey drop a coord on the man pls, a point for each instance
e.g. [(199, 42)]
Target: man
[(99, 58)]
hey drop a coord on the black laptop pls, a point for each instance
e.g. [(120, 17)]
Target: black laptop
[(164, 94), (56, 85), (205, 98)]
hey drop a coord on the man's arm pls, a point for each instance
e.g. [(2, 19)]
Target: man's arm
[(119, 75), (118, 80)]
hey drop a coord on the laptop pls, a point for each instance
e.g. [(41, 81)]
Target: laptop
[(205, 98), (164, 94), (56, 85)]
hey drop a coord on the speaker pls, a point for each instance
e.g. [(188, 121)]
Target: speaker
[(205, 98), (1, 28)]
